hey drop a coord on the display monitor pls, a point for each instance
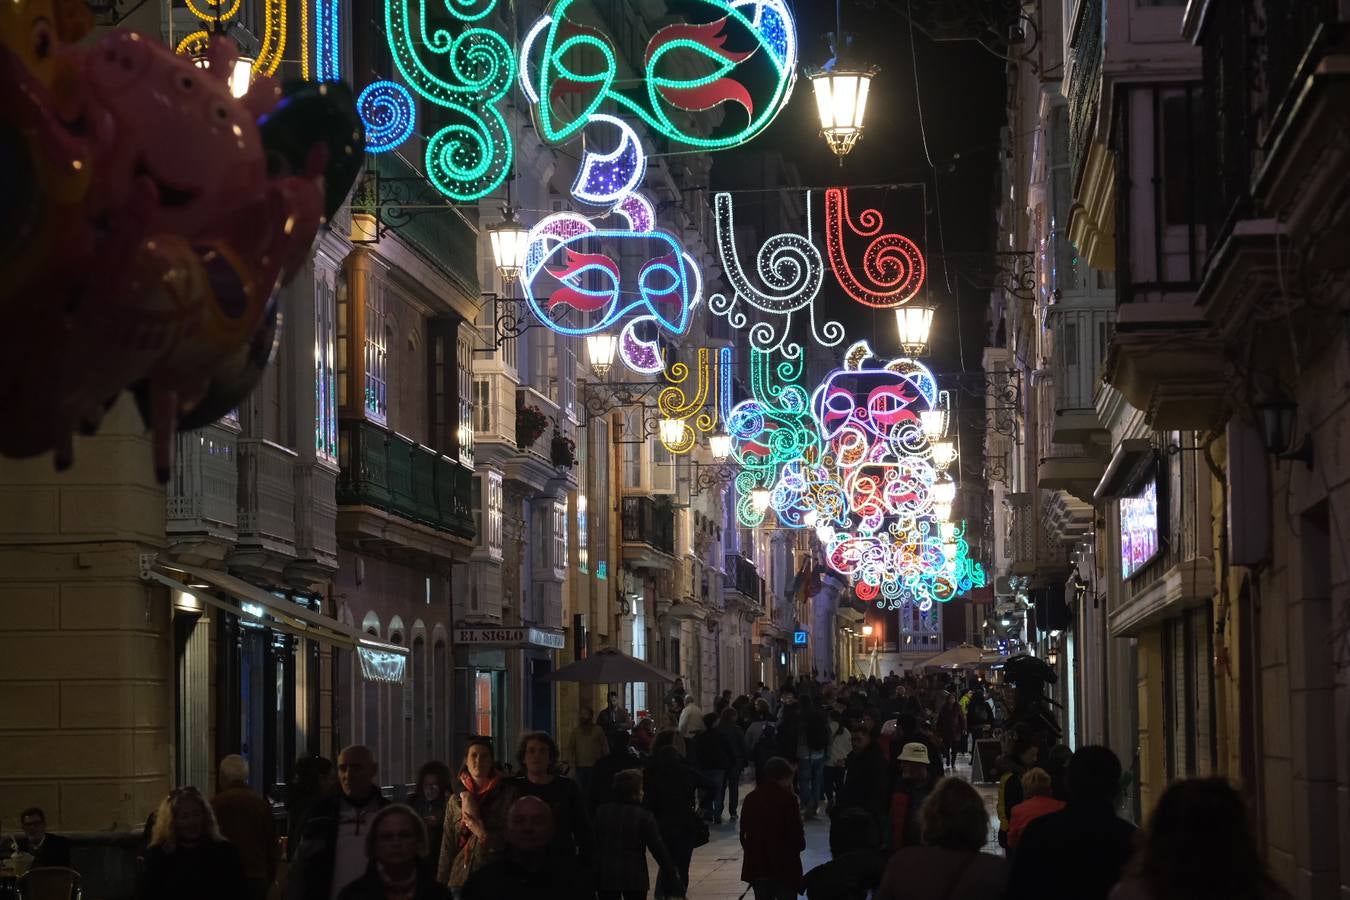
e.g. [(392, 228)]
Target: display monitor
[(1140, 532)]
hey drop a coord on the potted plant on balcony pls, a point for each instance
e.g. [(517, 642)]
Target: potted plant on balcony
[(365, 226), (530, 424), (563, 451)]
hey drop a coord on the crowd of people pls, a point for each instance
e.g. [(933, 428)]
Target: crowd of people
[(876, 757)]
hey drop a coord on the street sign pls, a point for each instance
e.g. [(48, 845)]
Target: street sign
[(509, 636), (799, 638)]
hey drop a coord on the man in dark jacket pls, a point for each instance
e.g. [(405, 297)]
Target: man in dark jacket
[(866, 780), (46, 849), (620, 757), (530, 866), (332, 852), (1080, 852), (714, 756), (245, 820), (908, 731)]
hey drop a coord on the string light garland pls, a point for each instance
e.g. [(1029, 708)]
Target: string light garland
[(388, 111), (562, 57), (327, 44), (468, 75), (770, 431), (891, 262), (273, 38)]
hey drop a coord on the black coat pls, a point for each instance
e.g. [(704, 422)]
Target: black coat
[(603, 772), (669, 782), (310, 876), (572, 833), (1074, 854), (370, 887), (55, 851), (212, 871), (513, 875), (866, 781)]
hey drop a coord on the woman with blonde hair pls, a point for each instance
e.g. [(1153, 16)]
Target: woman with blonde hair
[(187, 855), (396, 846), (1036, 788), (949, 864)]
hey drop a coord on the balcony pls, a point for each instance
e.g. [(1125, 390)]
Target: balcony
[(316, 545), (202, 508), (1167, 361), (743, 582), (393, 493), (266, 509), (444, 239), (648, 533)]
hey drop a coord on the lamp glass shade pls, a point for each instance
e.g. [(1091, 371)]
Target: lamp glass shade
[(867, 630), (241, 74), (601, 348), (825, 533), (944, 453), (914, 324), (948, 531), (841, 104), (944, 490), (942, 511), (672, 431), (1277, 424), (759, 499), (933, 422), (720, 445), (509, 240)]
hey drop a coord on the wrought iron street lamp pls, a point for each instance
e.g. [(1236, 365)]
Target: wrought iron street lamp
[(914, 324), (944, 490), (600, 348), (720, 445), (933, 422), (942, 510), (944, 453), (240, 75), (759, 499), (841, 94), (672, 431), (509, 239)]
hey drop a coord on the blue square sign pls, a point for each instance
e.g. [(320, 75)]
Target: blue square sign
[(799, 638)]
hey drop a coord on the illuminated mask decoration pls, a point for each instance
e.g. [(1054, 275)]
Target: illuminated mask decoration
[(789, 266), (738, 57), (770, 432), (892, 266), (467, 75), (697, 407), (565, 269)]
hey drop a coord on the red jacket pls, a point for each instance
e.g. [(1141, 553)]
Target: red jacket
[(772, 836), (1029, 809)]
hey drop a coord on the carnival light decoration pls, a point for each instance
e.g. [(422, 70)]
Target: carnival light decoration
[(467, 75), (694, 401), (771, 431), (791, 270), (891, 264), (388, 112)]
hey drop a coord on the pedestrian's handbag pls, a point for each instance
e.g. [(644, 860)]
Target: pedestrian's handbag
[(699, 833)]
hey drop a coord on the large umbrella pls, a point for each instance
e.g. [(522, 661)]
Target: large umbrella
[(955, 658), (611, 666)]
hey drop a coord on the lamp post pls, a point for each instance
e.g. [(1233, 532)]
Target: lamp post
[(720, 445), (509, 240), (759, 499), (841, 95), (914, 324), (601, 348)]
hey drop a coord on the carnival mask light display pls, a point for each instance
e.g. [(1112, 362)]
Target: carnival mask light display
[(196, 207)]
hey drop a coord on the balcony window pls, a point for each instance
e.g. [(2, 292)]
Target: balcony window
[(482, 405), (376, 357), (465, 386), (325, 390), (559, 560), (583, 536), (663, 469)]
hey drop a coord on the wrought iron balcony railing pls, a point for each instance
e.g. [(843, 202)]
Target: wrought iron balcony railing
[(385, 470), (647, 522)]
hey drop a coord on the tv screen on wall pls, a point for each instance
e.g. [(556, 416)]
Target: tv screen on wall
[(1140, 537)]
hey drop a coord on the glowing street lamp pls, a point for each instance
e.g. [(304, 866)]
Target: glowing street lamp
[(944, 453), (759, 499), (240, 77), (720, 445), (841, 102), (672, 431), (933, 422), (914, 324), (600, 348), (944, 490), (942, 511), (510, 239)]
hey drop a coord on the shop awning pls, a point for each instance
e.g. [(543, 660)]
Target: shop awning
[(250, 602)]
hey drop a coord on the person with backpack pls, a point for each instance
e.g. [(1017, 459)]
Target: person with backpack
[(840, 747), (813, 742)]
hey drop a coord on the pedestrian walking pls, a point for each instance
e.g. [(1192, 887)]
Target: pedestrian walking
[(475, 816), (585, 745), (712, 754), (813, 743), (866, 778), (312, 779), (691, 719), (772, 836), (729, 728), (669, 782), (1008, 770), (628, 832), (1039, 802), (856, 860), (530, 865), (400, 860), (613, 717), (1199, 845), (951, 729), (332, 851), (835, 756), (429, 801), (643, 735), (949, 864), (619, 758), (911, 790), (1079, 852), (245, 820), (573, 839), (188, 856)]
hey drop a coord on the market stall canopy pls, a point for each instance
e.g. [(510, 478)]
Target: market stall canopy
[(610, 666), (956, 658)]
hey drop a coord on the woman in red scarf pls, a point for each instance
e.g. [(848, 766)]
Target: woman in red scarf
[(475, 817)]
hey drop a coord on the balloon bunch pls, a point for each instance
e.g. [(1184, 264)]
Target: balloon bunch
[(158, 216)]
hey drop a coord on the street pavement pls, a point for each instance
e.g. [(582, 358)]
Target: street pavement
[(715, 872)]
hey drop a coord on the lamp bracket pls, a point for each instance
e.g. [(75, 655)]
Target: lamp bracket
[(511, 319), (600, 398)]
